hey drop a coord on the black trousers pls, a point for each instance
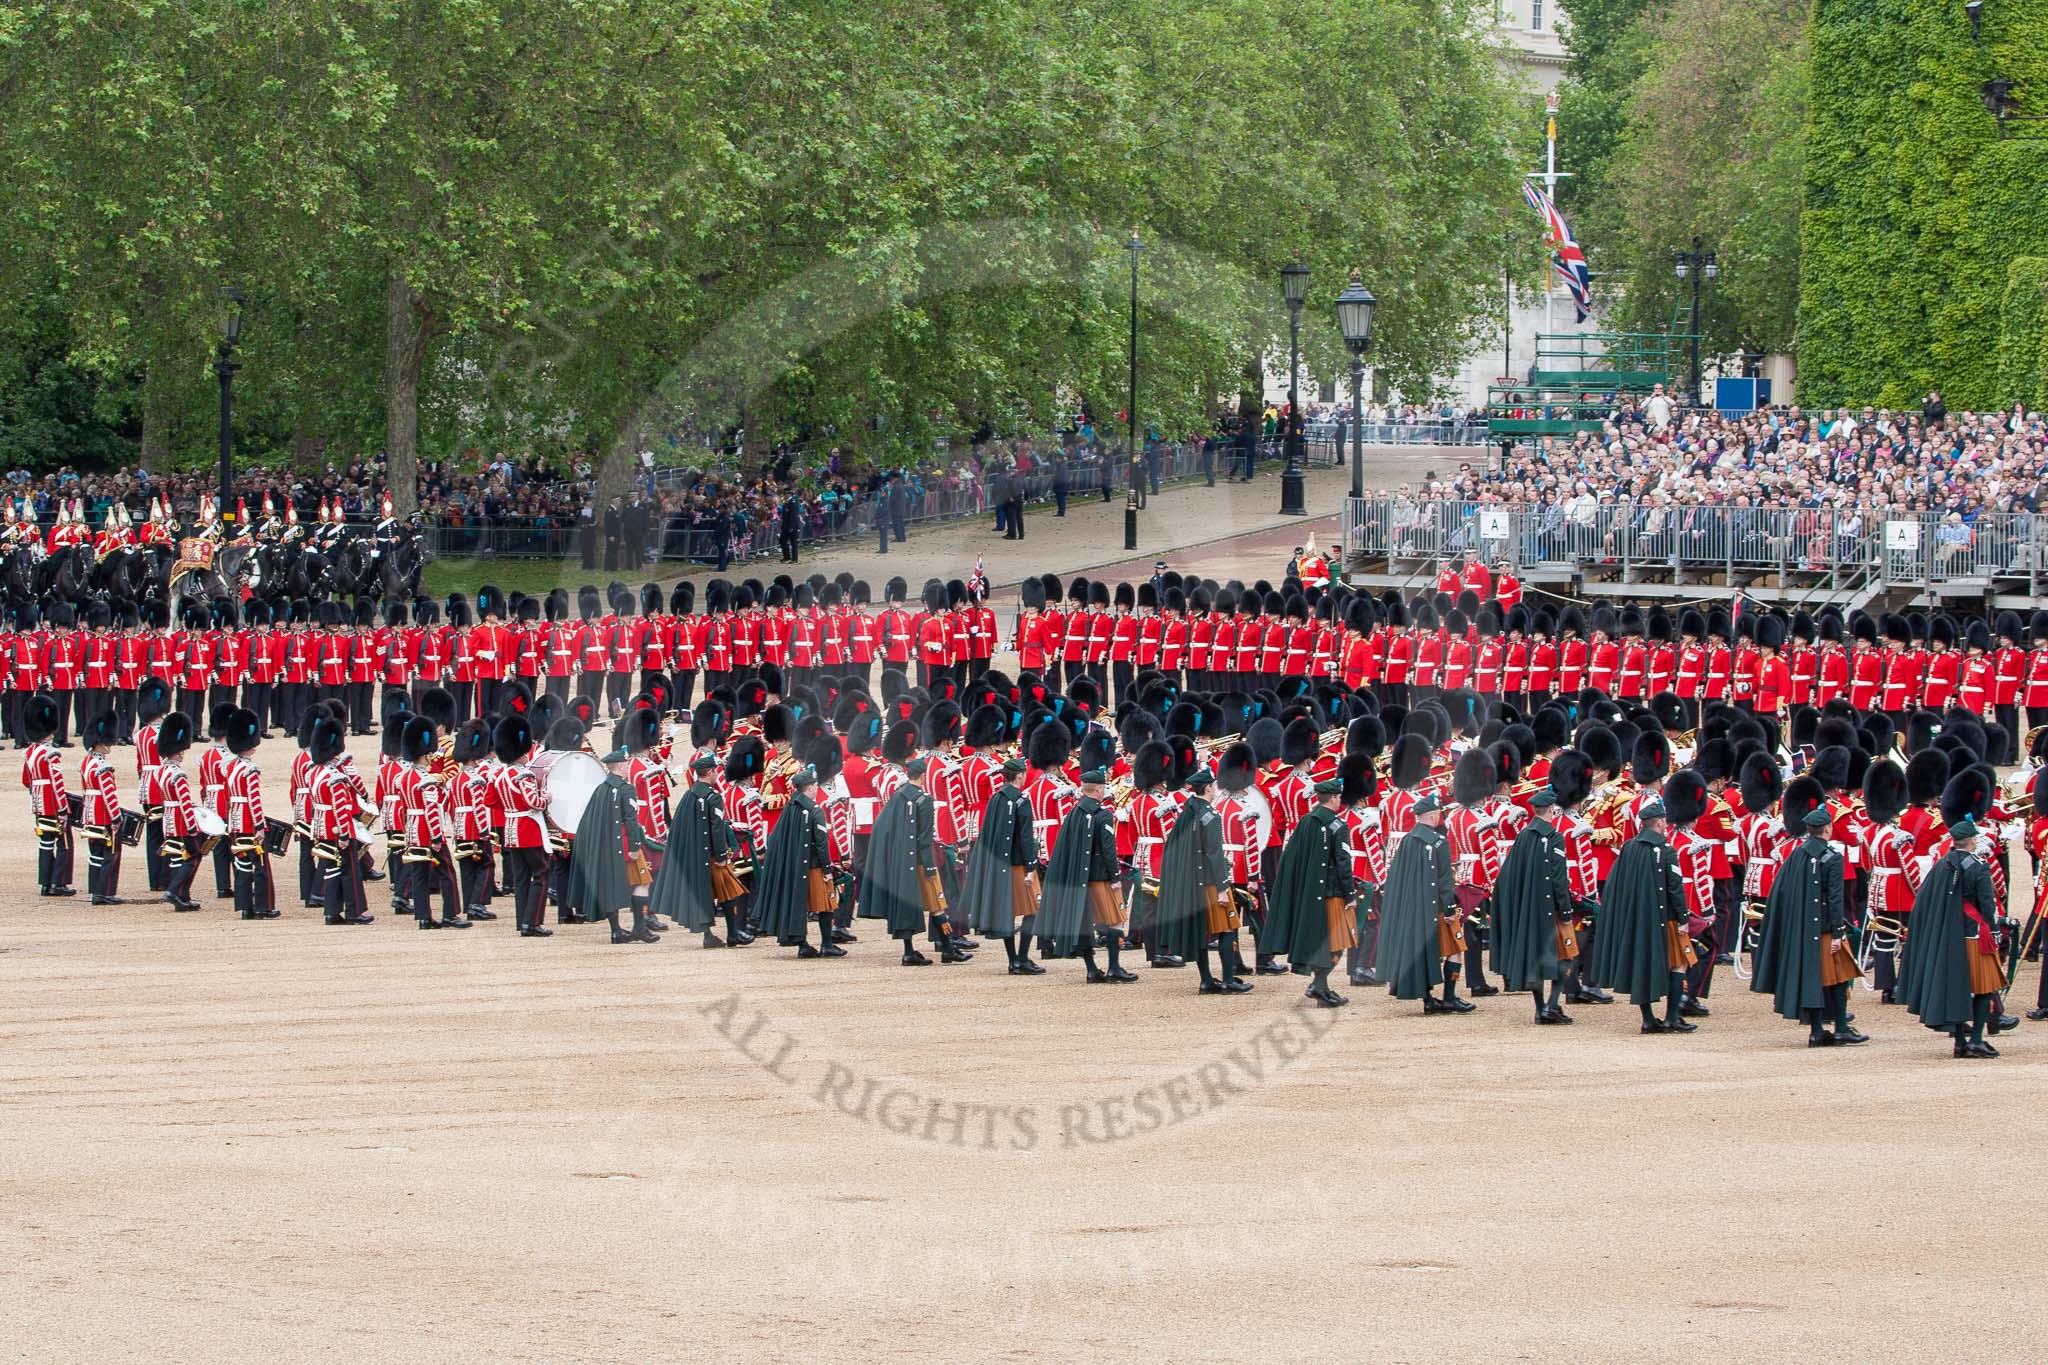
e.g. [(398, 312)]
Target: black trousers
[(218, 696), (341, 884), (489, 693), (2009, 717), (181, 865), (426, 877), (124, 714), (223, 871), (255, 893), (153, 854), (102, 864), (53, 854), (63, 699), (558, 685), (257, 698), (86, 703), (1124, 673), (618, 687), (590, 685), (684, 680), (475, 875), (530, 867), (362, 717)]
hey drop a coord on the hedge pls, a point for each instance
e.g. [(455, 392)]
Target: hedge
[(2023, 329), (1915, 208)]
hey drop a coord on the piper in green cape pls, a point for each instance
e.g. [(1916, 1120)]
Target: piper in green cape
[(1802, 921), (1531, 901), (996, 885), (1421, 896), (1951, 957), (798, 846), (1080, 899), (698, 837), (902, 853), (606, 835), (1643, 898), (1315, 870), (1195, 889)]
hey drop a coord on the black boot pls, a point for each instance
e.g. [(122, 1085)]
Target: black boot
[(911, 956), (827, 945), (1674, 1022), (1095, 974), (1209, 984), (1116, 971)]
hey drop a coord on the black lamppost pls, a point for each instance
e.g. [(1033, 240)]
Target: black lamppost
[(1698, 265), (1355, 307), (1293, 487), (1131, 498), (1974, 11), (224, 368)]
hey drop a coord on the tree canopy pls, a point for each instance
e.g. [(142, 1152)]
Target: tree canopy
[(580, 223)]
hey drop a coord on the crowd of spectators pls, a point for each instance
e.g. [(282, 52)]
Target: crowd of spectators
[(1829, 477)]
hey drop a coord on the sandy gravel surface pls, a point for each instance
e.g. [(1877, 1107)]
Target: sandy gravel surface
[(242, 1141)]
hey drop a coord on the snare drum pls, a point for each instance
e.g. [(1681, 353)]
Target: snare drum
[(128, 829), (76, 802), (277, 836)]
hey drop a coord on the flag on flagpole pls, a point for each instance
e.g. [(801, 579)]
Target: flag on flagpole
[(1566, 255)]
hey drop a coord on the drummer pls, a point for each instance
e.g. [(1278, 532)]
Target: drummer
[(242, 780), (102, 811)]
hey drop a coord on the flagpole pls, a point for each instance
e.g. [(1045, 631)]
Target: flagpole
[(1550, 103)]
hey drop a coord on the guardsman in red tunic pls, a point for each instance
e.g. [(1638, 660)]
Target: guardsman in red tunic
[(1574, 653), (1123, 645), (1151, 628), (96, 673), (42, 773), (1831, 668), (1867, 667), (686, 652), (627, 632), (1943, 665), (1773, 679), (65, 666), (526, 833), (1663, 656), (1802, 664), (1516, 652), (1979, 680), (1689, 679), (1545, 658), (1426, 677), (932, 647), (594, 645), (1892, 877), (1901, 690), (1457, 666), (363, 658), (1202, 623), (1603, 655), (2008, 676), (2034, 694), (266, 663), (1632, 671)]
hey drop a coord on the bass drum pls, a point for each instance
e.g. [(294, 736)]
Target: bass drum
[(569, 783)]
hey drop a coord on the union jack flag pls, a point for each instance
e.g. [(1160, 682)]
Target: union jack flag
[(1568, 259)]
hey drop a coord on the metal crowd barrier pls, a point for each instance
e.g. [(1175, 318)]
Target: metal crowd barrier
[(1896, 547)]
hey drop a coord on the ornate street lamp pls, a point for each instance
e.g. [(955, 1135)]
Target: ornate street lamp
[(1293, 486)]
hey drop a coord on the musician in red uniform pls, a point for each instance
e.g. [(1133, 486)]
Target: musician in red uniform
[(254, 892), (429, 860), (333, 802), (42, 773), (526, 835), (1892, 876), (183, 842), (1477, 851), (102, 814)]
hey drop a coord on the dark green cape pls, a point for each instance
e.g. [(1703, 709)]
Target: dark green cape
[(697, 837), (1192, 859), (1533, 893), (1934, 975), (597, 862), (1806, 902), (1084, 852), (901, 844), (1315, 864), (1419, 890), (782, 892), (1007, 840), (1643, 892)]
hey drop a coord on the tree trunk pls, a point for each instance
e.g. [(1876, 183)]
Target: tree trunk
[(407, 330), (155, 447), (309, 447), (615, 471)]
